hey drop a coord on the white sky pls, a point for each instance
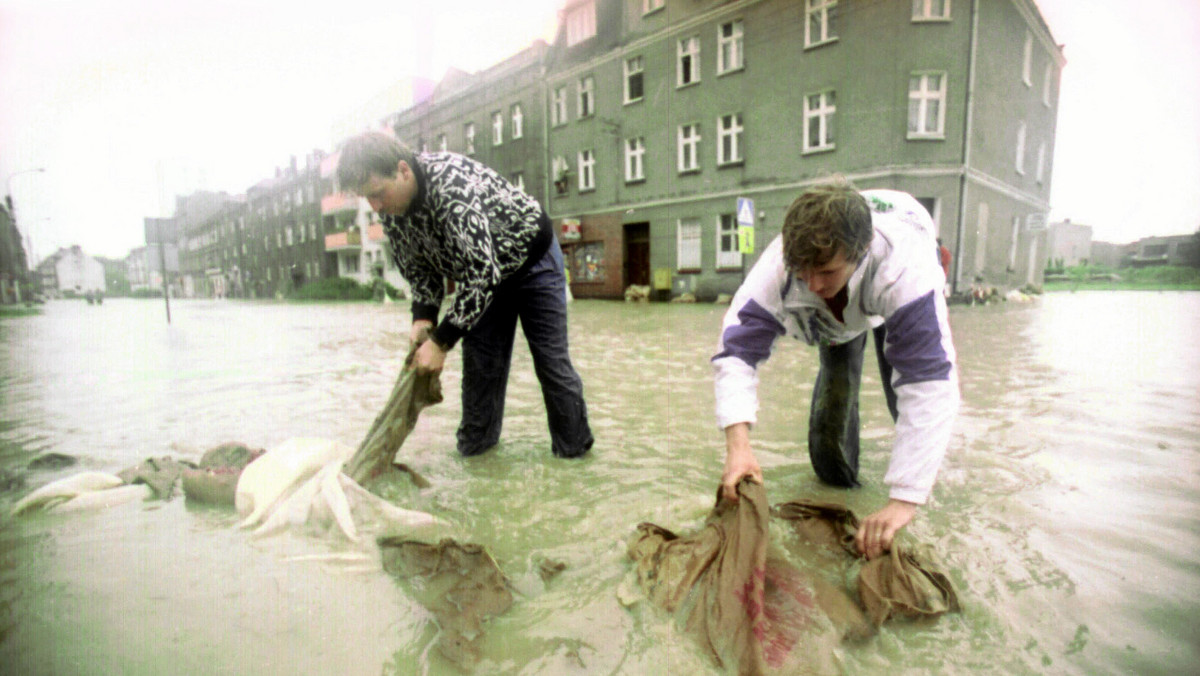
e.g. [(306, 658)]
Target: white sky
[(126, 103)]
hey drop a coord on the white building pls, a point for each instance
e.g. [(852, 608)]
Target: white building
[(77, 273), (1069, 242)]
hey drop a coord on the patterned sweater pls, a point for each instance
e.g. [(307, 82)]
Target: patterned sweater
[(468, 224), (900, 282)]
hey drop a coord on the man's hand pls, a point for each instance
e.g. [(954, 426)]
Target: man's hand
[(876, 532), (429, 358), (419, 333), (739, 460)]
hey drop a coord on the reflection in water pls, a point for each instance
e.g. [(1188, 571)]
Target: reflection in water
[(1065, 511)]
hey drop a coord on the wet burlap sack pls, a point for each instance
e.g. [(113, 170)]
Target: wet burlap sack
[(214, 482), (459, 583), (903, 584), (160, 474), (374, 458), (754, 612)]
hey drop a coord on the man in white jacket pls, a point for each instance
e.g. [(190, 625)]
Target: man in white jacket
[(847, 262)]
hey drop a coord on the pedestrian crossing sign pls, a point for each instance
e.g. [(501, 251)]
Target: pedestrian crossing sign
[(745, 211)]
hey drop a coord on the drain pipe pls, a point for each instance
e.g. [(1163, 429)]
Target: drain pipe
[(966, 161)]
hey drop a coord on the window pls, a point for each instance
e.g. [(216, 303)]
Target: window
[(652, 5), (587, 102), (1041, 162), (729, 139), (497, 128), (926, 105), (728, 255), (689, 147), (561, 173), (312, 230), (469, 133), (1027, 60), (1021, 149), (687, 244), (518, 181), (1012, 245), (635, 152), (587, 170), (289, 238), (1046, 84), (278, 239), (518, 121), (729, 47), (931, 10), (300, 233), (634, 68), (558, 106), (818, 121), (687, 69), (581, 23), (442, 142), (819, 22)]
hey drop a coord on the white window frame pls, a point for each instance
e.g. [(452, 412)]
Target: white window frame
[(822, 114), (731, 54), (442, 146), (635, 159), (581, 23), (634, 66), (689, 239), (688, 147), (586, 100), (312, 231), (518, 121), (469, 134), (727, 227), (1041, 163), (822, 13), (1046, 82), (587, 170), (558, 106), (558, 173), (649, 6), (687, 61), (518, 181), (1020, 155), (926, 10), (497, 128), (923, 97), (1027, 60), (729, 139), (1012, 245)]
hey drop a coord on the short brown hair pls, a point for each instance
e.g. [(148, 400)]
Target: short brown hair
[(372, 152), (827, 218)]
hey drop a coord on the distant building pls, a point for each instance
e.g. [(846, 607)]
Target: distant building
[(69, 272), (1109, 255), (1069, 244), (137, 270), (14, 268), (1170, 250)]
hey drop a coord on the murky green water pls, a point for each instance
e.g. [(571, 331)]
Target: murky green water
[(1067, 509)]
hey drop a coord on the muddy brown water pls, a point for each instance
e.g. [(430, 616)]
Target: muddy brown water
[(1067, 510)]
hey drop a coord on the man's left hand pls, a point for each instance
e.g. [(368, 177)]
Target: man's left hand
[(876, 532), (429, 358)]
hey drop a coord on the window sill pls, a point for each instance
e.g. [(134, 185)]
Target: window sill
[(731, 164), (584, 191), (635, 181), (926, 137), (685, 85), (656, 10), (688, 271), (633, 101), (589, 116), (818, 150), (731, 71), (931, 19), (690, 171), (822, 43)]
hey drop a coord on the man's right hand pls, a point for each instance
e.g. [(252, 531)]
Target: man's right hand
[(739, 460), (419, 333)]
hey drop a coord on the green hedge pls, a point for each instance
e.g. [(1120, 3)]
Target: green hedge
[(1097, 277), (340, 288)]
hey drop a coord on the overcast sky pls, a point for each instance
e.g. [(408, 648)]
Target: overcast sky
[(127, 102)]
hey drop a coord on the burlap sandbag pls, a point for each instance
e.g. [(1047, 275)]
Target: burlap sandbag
[(214, 482), (160, 474), (459, 583), (751, 612)]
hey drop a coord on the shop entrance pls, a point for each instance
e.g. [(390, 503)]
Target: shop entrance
[(637, 254)]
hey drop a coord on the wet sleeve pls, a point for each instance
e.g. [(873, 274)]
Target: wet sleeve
[(751, 325), (425, 284), (460, 210), (920, 349)]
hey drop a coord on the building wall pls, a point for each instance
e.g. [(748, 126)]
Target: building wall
[(1070, 243)]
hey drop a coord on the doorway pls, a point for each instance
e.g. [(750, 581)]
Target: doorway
[(637, 254)]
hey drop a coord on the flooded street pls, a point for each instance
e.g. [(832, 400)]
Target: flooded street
[(1067, 511)]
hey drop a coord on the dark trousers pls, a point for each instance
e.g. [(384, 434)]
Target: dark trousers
[(833, 419), (538, 298)]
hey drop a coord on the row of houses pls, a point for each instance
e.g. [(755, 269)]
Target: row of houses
[(1070, 244), (644, 121)]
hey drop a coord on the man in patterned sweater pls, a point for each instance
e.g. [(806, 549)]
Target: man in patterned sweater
[(449, 216), (847, 262)]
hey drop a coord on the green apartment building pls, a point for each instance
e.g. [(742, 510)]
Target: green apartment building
[(646, 120)]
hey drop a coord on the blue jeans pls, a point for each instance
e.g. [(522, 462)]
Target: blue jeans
[(833, 418), (538, 298)]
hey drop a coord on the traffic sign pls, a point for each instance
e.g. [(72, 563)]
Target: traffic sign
[(745, 211)]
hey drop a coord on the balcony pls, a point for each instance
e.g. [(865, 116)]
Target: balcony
[(375, 232), (338, 203), (346, 240)]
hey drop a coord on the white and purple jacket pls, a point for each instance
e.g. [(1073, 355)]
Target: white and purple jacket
[(898, 282)]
